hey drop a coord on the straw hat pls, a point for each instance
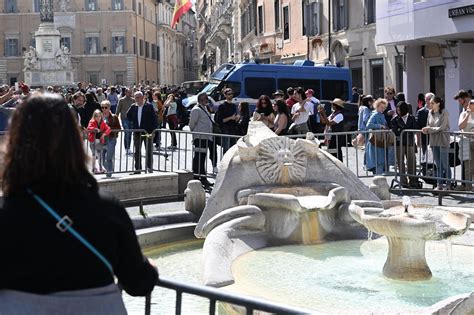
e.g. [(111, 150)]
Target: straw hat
[(338, 102)]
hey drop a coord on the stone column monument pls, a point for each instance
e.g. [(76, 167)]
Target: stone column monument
[(48, 63)]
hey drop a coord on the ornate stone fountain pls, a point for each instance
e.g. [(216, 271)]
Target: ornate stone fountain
[(274, 190), (407, 229)]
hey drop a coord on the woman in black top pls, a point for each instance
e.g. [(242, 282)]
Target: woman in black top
[(265, 110), (45, 158)]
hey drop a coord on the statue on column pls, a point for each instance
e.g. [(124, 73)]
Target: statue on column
[(63, 5), (63, 58), (46, 11), (31, 60)]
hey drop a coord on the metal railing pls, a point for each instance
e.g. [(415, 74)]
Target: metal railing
[(448, 169), (250, 304)]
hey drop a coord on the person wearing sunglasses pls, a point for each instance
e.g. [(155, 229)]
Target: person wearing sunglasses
[(391, 110), (108, 153)]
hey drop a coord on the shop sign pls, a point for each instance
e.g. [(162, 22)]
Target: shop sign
[(461, 11)]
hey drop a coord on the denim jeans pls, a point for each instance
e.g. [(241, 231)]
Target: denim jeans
[(126, 124), (227, 142), (441, 159), (109, 155)]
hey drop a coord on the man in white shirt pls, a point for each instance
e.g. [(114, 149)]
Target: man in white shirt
[(315, 120), (300, 112)]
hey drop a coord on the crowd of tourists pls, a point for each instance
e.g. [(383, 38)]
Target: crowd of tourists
[(431, 118), (102, 112)]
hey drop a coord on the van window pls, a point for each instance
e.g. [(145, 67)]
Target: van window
[(335, 89), (217, 93), (255, 87), (284, 84)]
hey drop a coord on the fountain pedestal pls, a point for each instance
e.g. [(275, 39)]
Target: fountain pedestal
[(406, 260)]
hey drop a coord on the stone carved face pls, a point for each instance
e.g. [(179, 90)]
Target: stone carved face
[(281, 161)]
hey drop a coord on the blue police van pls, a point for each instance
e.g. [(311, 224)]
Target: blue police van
[(249, 81)]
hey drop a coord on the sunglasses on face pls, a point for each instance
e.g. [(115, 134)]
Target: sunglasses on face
[(104, 107), (389, 93)]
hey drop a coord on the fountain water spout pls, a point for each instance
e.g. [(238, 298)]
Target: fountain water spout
[(406, 203)]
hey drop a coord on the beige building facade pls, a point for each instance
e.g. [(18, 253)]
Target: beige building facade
[(111, 41), (338, 32)]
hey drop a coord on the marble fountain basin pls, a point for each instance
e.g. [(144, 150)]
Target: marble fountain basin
[(407, 229)]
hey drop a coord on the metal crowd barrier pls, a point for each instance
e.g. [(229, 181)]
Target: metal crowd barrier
[(422, 163), (250, 304), (173, 150), (179, 148), (122, 162)]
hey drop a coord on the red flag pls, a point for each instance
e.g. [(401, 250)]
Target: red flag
[(180, 8)]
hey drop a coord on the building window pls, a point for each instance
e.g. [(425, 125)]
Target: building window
[(33, 42), (11, 47), (340, 15), (117, 5), (118, 44), (286, 23), (92, 45), (260, 20), (139, 8), (147, 50), (311, 18), (377, 77), (158, 53), (141, 47), (356, 73), (134, 5), (134, 45), (94, 78), (369, 11), (153, 51), (276, 7), (36, 5), (65, 42), (91, 5), (10, 6), (248, 19), (119, 78)]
